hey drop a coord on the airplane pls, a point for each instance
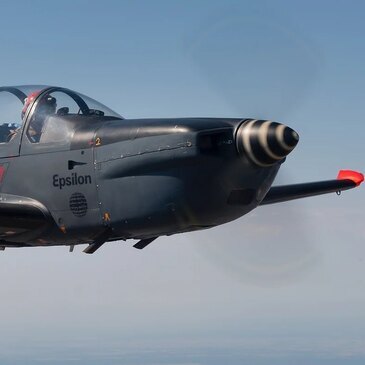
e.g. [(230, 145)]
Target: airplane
[(72, 171)]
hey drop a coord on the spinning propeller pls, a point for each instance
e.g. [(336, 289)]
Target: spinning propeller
[(233, 54)]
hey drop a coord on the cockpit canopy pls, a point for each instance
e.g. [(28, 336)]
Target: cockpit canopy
[(50, 114)]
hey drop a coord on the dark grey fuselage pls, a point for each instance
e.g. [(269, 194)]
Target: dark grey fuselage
[(133, 178)]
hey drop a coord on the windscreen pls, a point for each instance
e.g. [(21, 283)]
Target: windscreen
[(11, 105)]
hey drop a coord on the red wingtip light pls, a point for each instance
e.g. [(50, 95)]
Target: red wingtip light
[(356, 177)]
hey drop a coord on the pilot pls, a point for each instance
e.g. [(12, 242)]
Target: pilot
[(27, 101), (47, 105)]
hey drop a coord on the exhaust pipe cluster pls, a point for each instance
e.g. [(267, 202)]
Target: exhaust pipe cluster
[(264, 142)]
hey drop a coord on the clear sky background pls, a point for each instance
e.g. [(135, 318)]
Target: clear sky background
[(283, 285)]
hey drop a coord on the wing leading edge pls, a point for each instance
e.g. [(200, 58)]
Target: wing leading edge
[(346, 179)]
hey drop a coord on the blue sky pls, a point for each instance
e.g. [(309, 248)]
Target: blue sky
[(243, 293)]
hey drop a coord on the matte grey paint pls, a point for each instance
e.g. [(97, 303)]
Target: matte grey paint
[(137, 179)]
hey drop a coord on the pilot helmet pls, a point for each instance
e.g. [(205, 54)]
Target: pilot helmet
[(46, 105)]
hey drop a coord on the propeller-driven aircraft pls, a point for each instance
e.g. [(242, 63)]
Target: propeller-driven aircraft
[(73, 171)]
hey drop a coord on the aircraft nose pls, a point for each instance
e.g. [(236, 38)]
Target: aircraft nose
[(265, 142)]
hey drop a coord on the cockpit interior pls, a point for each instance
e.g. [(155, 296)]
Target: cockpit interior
[(45, 114)]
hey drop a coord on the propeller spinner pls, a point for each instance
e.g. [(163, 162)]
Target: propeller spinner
[(265, 142)]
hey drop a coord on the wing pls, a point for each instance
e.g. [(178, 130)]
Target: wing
[(346, 179), (21, 216)]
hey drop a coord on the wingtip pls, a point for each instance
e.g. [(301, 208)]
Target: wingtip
[(356, 177)]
